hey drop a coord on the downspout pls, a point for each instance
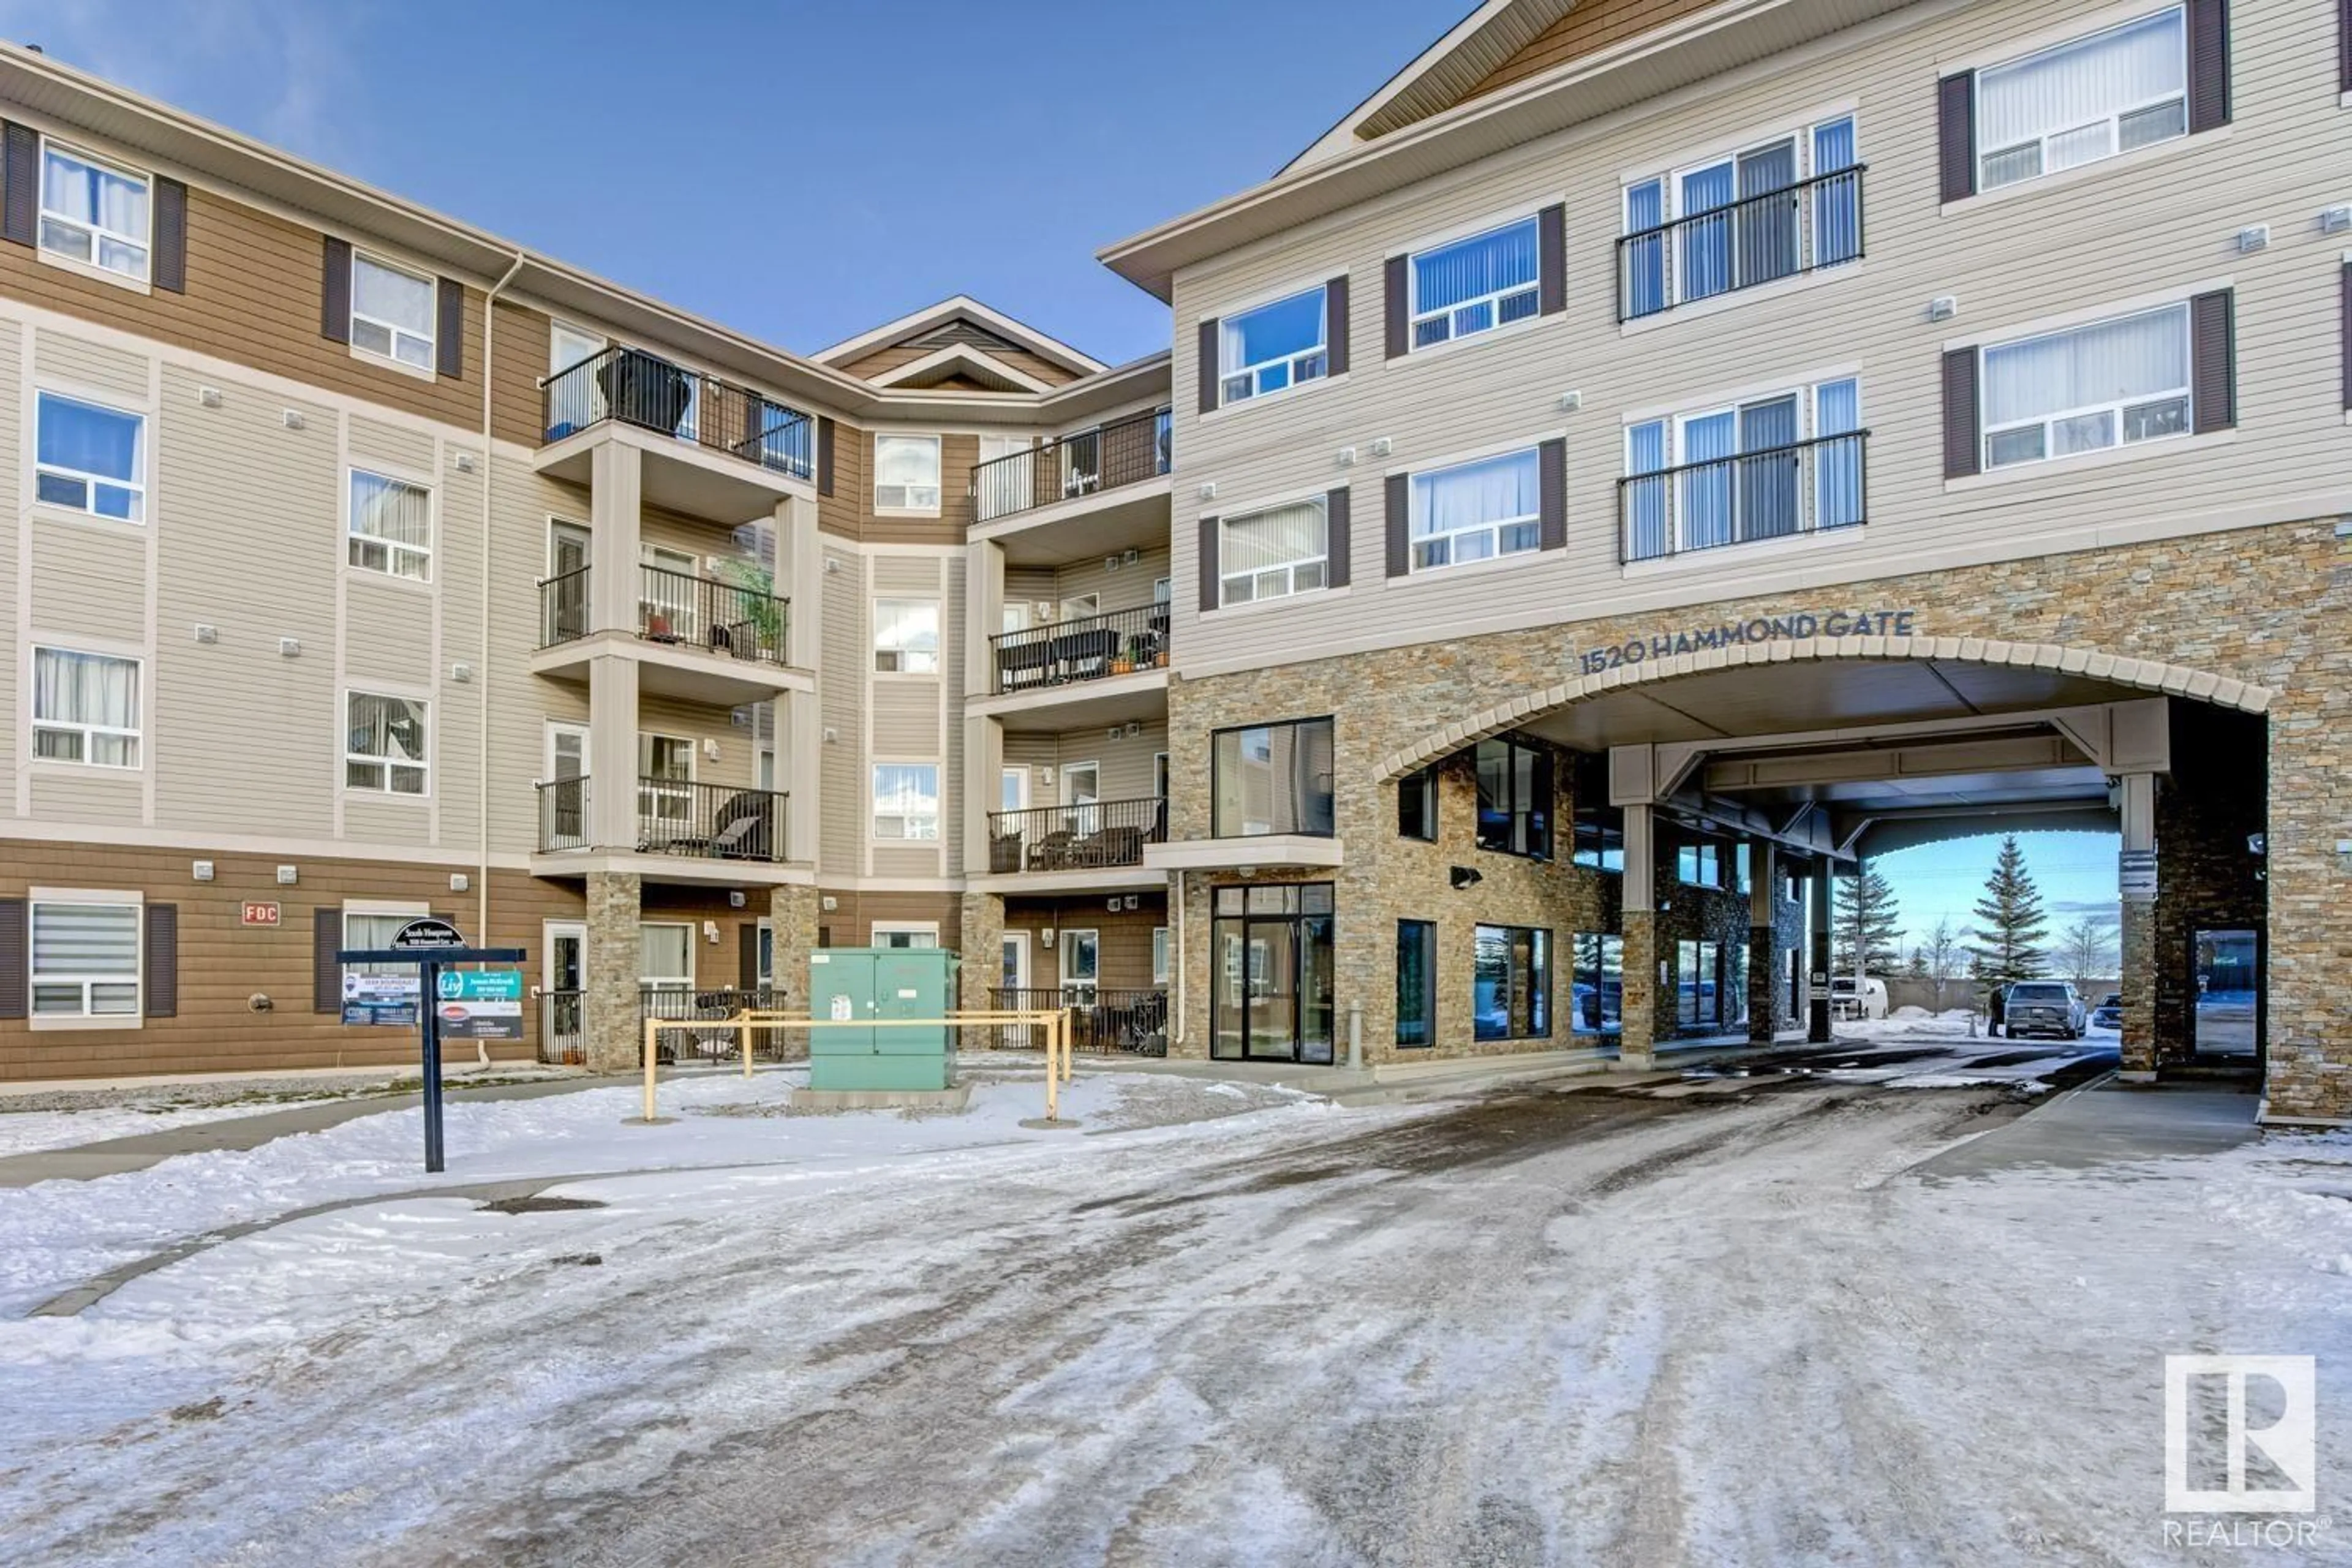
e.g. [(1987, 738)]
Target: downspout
[(490, 666)]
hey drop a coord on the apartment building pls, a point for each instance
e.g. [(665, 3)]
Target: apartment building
[(1649, 458)]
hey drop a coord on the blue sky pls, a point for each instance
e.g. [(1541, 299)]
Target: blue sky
[(799, 172), (2076, 871)]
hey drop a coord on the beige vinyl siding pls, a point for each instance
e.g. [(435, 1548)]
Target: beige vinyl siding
[(2088, 242), (88, 579), (906, 712), (87, 794), (918, 860), (1128, 587), (401, 451), (735, 767), (841, 683), (951, 694), (521, 703), (387, 627), (13, 522), (74, 364)]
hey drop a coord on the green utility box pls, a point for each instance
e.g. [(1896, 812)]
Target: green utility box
[(879, 984)]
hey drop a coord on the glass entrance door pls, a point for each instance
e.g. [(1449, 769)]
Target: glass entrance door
[(1272, 986), (2225, 1017), (564, 979)]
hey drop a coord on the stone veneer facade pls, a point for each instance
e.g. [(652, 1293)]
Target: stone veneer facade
[(2249, 620)]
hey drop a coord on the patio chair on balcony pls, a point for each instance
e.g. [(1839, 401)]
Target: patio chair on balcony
[(1083, 655), (1025, 663), (646, 390), (746, 827), (1052, 853)]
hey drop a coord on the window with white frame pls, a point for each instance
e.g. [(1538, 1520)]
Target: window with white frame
[(1477, 510), (371, 926), (1274, 553), (89, 457), (568, 346), (664, 780), (384, 744), (906, 473), (1272, 347), (1160, 955), (1784, 463), (905, 935), (2085, 99), (2087, 388), (906, 637), (1081, 964), (95, 212), (85, 708), (392, 312), (664, 955), (392, 527), (906, 800), (84, 957), (1474, 285), (1790, 204)]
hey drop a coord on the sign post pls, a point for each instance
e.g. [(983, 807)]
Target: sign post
[(479, 1006)]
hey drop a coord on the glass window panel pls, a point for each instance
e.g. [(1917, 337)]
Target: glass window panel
[(385, 746), (2060, 93), (2106, 362), (2022, 445), (1487, 264), (906, 800), (392, 526), (397, 298), (906, 636), (1279, 331)]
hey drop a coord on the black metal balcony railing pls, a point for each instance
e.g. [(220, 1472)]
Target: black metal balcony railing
[(650, 393), (674, 607), (704, 1034), (1122, 452), (1802, 227), (563, 1027), (674, 817), (1089, 648), (1096, 836), (1101, 1021), (1809, 486)]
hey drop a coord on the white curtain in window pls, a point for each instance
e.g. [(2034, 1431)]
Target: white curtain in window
[(85, 939), (2081, 83), (85, 689), (1489, 490), (387, 509), (909, 624), (1467, 269), (1276, 538), (2109, 362), (906, 789), (665, 952), (906, 460), (391, 297), (389, 727), (75, 190)]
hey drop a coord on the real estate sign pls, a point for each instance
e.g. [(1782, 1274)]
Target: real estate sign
[(389, 999), (480, 1003)]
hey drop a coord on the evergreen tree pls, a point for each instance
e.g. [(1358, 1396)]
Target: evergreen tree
[(2010, 926), (1865, 916), (1915, 966)]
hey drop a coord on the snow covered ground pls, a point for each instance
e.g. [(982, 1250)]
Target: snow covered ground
[(1717, 1324)]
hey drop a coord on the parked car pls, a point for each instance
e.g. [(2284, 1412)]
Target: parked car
[(2109, 1013), (2043, 1007), (1869, 1002)]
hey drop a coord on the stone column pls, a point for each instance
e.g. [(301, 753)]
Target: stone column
[(2137, 938), (1763, 866), (1637, 1033), (614, 1026), (981, 940), (792, 928), (1817, 959)]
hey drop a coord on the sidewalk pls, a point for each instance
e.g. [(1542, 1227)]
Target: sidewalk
[(2110, 1123)]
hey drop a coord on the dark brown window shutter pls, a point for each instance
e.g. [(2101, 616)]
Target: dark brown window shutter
[(2346, 328), (20, 192), (1335, 326), (1397, 303), (2343, 45), (1397, 524), (326, 974), (170, 262), (163, 961), (1208, 564), (1963, 448), (824, 455), (2212, 361), (1956, 115), (746, 966), (1208, 365), (15, 994), (449, 337), (1551, 260), (335, 309), (2209, 64), (1338, 537), (1551, 494)]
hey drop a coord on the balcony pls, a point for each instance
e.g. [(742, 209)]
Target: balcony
[(703, 639), (721, 451), (1782, 492), (1108, 456), (1100, 836), (1757, 239), (1101, 1021), (676, 818)]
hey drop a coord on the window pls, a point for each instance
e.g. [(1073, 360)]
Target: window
[(1698, 983), (1699, 865), (1474, 285), (1774, 466), (1510, 983), (2087, 388), (1272, 778), (392, 527), (1270, 976), (906, 934), (1272, 347), (1790, 204), (1274, 553), (664, 777), (1081, 965), (905, 800), (94, 212), (1477, 510), (906, 637), (1160, 955), (85, 708), (90, 459), (568, 346), (384, 748), (85, 958), (1013, 790), (372, 926), (1417, 805), (906, 473), (2083, 100), (665, 956), (1417, 983), (1514, 799), (1596, 985), (392, 312)]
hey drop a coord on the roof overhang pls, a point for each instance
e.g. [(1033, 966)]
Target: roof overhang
[(933, 316), (1581, 95), (962, 359)]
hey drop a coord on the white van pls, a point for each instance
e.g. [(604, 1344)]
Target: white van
[(1846, 1002)]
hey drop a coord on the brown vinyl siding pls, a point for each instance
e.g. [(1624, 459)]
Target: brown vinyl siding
[(1124, 961), (851, 921), (518, 413)]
